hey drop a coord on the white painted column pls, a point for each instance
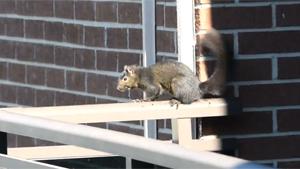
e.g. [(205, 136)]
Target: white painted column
[(186, 55), (149, 54)]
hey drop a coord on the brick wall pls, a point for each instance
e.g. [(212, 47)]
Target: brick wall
[(263, 38), (62, 52), (67, 52)]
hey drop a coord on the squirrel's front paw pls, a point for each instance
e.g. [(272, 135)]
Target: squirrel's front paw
[(137, 100), (174, 102)]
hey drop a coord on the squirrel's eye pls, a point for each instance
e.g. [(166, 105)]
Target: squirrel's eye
[(125, 78)]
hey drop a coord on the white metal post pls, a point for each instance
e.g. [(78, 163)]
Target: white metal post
[(185, 32), (149, 54), (186, 50)]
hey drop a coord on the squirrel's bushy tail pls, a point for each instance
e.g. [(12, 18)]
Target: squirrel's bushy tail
[(211, 43)]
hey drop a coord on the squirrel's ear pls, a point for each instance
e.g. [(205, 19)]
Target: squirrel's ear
[(125, 67), (129, 69)]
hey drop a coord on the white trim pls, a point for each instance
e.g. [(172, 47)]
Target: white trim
[(149, 54), (13, 162)]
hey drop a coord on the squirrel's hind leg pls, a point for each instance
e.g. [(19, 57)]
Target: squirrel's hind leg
[(185, 90)]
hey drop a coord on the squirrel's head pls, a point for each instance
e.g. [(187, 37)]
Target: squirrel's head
[(128, 78)]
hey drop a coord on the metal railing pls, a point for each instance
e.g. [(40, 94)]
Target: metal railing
[(17, 121)]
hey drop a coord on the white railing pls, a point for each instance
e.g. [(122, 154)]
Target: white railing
[(58, 124)]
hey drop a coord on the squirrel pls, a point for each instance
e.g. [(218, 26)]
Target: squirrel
[(176, 78)]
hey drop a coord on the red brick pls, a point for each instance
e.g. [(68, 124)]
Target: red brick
[(165, 41), (130, 12), (94, 36), (116, 38), (287, 15), (64, 9), (70, 99), (24, 51), (55, 78), (249, 70), (73, 33), (7, 49), (16, 72), (44, 53), (39, 8), (160, 58), (242, 123), (106, 11), (45, 98), (269, 42), (270, 94), (288, 68), (15, 27), (288, 120), (135, 39), (107, 60), (25, 96), (97, 84), (84, 10), (3, 70), (34, 29), (241, 17), (2, 26), (54, 31), (23, 141), (160, 15), (8, 93), (269, 148), (125, 129), (85, 58), (171, 17), (35, 75), (11, 140), (75, 80), (64, 56), (128, 59), (20, 7), (7, 6), (39, 142)]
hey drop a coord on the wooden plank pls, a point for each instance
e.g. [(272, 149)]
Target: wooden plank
[(126, 111), (55, 152)]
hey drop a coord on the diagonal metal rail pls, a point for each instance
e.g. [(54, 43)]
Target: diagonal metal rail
[(16, 163)]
